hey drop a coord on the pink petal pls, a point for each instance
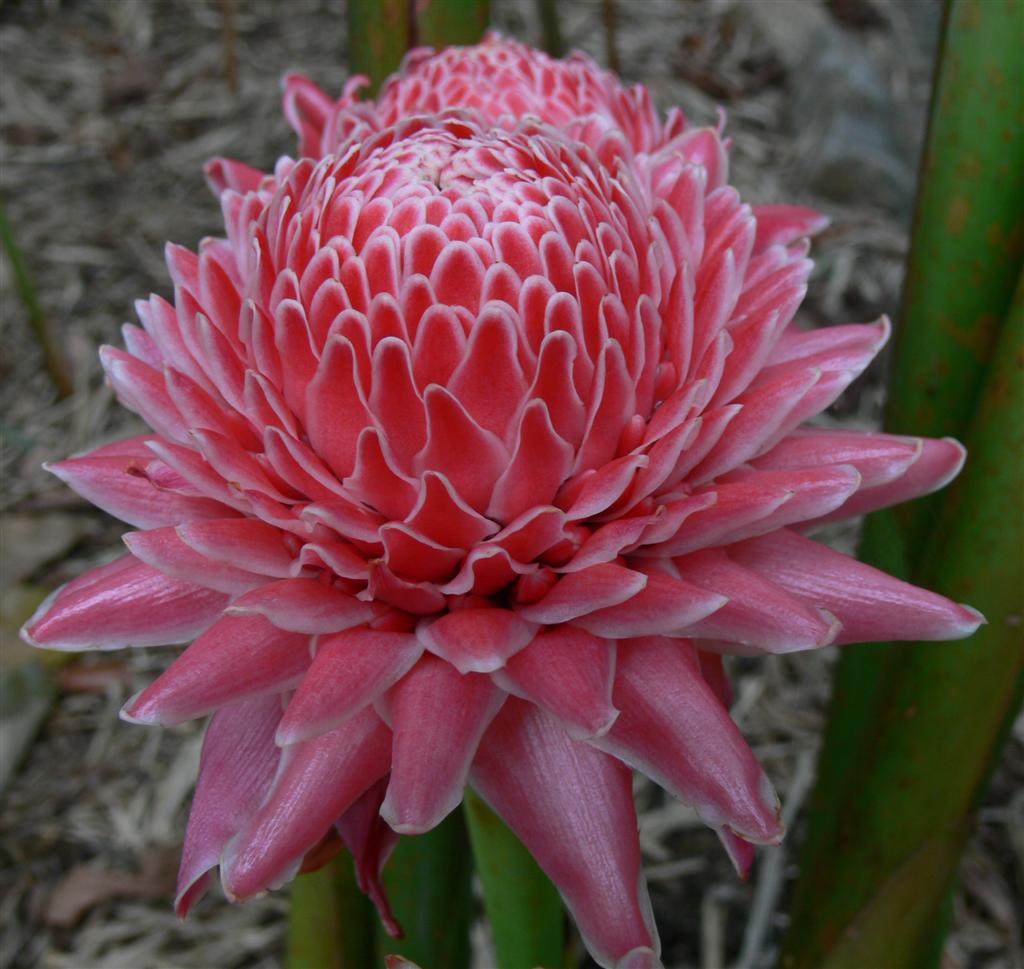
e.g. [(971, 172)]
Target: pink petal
[(164, 549), (437, 717), (784, 224), (371, 842), (579, 593), (318, 782), (665, 605), (673, 728), (244, 543), (476, 640), (236, 658), (452, 435), (236, 771), (350, 670), (541, 462), (304, 606), (569, 673), (119, 485), (938, 463), (759, 614), (125, 603), (572, 807), (872, 606)]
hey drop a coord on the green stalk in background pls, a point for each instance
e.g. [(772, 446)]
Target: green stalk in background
[(331, 925), (968, 233), (428, 882), (379, 34), (523, 907), (441, 23), (914, 729)]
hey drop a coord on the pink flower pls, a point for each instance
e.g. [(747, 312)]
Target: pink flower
[(476, 446)]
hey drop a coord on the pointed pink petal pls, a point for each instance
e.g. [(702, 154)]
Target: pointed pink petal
[(318, 782), (304, 606), (438, 716), (572, 807), (119, 485), (665, 605), (236, 658), (879, 458), (125, 603), (441, 514), (244, 543), (371, 841), (452, 435), (236, 771), (673, 728), (541, 462), (476, 640), (579, 593), (872, 606), (760, 616), (740, 851), (938, 463), (569, 672), (350, 670), (783, 224), (164, 549)]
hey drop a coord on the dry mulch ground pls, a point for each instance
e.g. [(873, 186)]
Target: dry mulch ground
[(109, 108)]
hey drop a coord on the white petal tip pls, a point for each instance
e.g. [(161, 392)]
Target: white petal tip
[(642, 957)]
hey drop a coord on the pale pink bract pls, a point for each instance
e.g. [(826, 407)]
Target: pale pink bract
[(477, 442)]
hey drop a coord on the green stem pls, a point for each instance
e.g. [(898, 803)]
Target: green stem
[(428, 882), (379, 34), (914, 729), (523, 907), (968, 231), (331, 921), (448, 22)]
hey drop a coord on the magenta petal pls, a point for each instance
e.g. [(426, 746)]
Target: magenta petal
[(572, 807), (237, 657), (673, 728), (318, 782), (235, 772), (740, 851), (350, 670), (437, 717), (569, 672), (476, 640), (872, 606), (125, 603)]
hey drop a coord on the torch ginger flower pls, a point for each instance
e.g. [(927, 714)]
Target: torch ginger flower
[(477, 443)]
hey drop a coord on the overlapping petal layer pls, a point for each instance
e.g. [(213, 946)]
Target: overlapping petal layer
[(477, 440)]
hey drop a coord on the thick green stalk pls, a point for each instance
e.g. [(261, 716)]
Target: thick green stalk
[(883, 849), (440, 23), (379, 34), (428, 882), (331, 924), (914, 729), (968, 233), (523, 907)]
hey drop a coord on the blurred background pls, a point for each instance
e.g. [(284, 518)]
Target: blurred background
[(108, 108)]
